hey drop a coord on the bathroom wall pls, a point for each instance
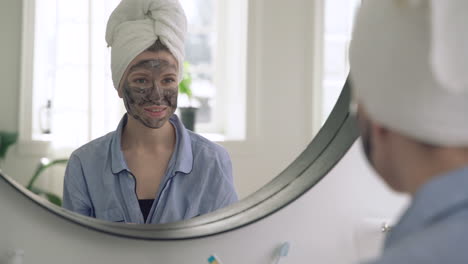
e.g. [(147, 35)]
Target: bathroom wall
[(10, 26), (20, 165)]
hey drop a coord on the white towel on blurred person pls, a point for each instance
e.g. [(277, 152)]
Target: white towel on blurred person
[(408, 73), (450, 43)]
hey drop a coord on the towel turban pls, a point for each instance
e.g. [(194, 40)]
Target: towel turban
[(135, 25), (409, 67)]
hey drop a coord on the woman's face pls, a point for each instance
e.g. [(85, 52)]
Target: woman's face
[(149, 88)]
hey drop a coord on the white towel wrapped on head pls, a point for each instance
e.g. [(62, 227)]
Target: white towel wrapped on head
[(135, 25), (408, 65), (450, 43)]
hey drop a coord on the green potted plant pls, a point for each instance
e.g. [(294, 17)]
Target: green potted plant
[(188, 113), (6, 140)]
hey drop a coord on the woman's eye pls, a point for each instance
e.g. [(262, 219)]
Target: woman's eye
[(140, 81), (168, 80)]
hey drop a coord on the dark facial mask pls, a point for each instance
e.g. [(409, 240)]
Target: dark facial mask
[(151, 84)]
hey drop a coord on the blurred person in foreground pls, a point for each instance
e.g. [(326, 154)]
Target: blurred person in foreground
[(409, 73)]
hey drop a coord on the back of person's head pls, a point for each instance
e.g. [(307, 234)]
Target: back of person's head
[(397, 76)]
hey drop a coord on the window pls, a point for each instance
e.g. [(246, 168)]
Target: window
[(67, 94), (338, 18), (216, 50)]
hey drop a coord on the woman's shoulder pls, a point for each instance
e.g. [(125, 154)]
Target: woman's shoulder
[(204, 146), (95, 147)]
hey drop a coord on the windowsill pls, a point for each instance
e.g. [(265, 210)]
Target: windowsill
[(215, 137), (43, 137), (33, 147), (222, 138)]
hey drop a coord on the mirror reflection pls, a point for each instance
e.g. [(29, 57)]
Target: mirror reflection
[(237, 115)]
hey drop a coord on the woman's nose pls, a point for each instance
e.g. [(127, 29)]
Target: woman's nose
[(156, 92)]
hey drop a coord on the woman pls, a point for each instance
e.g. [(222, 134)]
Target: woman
[(150, 169)]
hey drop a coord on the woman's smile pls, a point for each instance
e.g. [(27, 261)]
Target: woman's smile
[(156, 111)]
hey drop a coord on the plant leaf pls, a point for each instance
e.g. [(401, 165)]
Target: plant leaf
[(53, 198), (185, 84), (41, 168), (6, 140)]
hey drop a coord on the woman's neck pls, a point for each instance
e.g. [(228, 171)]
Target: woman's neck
[(135, 135)]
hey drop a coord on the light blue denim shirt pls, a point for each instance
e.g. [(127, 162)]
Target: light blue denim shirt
[(434, 229), (198, 180)]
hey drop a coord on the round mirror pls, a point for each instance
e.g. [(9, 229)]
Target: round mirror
[(257, 102), (332, 142)]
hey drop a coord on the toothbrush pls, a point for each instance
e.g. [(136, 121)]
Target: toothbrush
[(283, 252), (214, 260)]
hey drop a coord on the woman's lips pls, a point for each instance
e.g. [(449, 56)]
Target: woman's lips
[(156, 111)]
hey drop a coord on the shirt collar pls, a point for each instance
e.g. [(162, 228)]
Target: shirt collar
[(117, 157), (184, 157), (183, 150), (441, 194), (436, 198)]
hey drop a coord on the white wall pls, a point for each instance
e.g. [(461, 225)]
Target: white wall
[(22, 166), (279, 91), (10, 26), (320, 227)]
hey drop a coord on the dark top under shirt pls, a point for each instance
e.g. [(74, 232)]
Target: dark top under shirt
[(145, 207)]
